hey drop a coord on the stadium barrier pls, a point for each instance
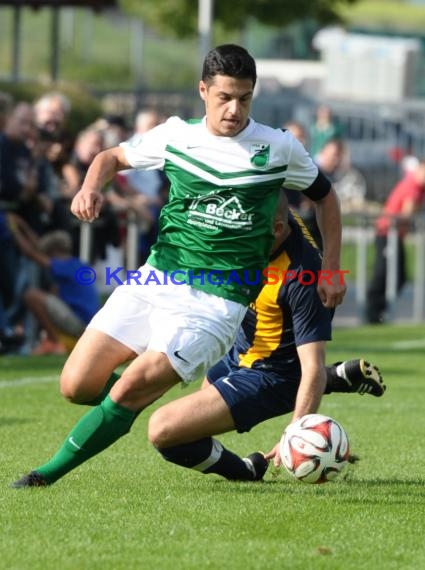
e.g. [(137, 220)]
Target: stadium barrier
[(362, 235)]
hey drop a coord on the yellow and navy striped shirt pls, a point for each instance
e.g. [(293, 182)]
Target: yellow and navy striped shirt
[(288, 311)]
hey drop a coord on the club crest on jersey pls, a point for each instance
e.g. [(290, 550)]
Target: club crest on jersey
[(260, 154)]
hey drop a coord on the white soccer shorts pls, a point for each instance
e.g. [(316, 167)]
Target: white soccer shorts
[(193, 328)]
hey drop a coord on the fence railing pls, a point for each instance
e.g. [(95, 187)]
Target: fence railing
[(362, 236)]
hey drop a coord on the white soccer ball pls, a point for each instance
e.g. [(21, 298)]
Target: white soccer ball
[(314, 448)]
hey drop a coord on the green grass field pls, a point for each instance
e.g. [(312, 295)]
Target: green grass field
[(128, 509)]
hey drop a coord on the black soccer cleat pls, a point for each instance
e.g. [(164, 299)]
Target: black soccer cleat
[(358, 376), (257, 464), (32, 479)]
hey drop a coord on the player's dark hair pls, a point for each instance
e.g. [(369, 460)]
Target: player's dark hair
[(231, 60)]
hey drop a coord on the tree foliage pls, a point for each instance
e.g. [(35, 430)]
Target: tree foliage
[(179, 17)]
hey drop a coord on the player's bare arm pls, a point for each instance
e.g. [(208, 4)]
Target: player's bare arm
[(313, 378), (87, 203), (311, 388), (331, 290)]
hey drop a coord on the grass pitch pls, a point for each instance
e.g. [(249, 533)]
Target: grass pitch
[(129, 509)]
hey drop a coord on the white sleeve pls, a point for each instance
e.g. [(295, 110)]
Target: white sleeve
[(302, 170), (147, 151)]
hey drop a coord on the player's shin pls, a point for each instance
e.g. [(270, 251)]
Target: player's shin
[(94, 432), (114, 377), (207, 455)]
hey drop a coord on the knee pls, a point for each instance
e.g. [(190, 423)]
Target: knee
[(139, 388), (69, 387), (160, 429), (76, 389)]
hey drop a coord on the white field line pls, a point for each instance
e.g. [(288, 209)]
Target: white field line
[(27, 381), (408, 344)]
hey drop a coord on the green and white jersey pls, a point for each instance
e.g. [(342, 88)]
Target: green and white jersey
[(216, 229)]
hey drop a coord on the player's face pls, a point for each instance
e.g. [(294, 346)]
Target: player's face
[(227, 104)]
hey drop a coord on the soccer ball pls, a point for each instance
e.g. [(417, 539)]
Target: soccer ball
[(314, 448)]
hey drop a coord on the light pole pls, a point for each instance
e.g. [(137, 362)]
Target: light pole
[(205, 16), (16, 43)]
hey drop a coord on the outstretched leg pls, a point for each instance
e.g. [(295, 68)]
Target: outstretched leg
[(145, 380), (181, 431)]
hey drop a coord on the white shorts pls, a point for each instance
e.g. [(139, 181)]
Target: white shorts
[(193, 328)]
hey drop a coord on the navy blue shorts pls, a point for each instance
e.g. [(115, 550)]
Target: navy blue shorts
[(253, 395)]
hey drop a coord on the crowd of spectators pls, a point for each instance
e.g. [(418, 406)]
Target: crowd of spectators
[(326, 142), (41, 168)]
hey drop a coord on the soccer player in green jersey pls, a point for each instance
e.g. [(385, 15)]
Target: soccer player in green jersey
[(215, 235)]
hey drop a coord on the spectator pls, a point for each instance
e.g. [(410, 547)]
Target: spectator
[(18, 178), (6, 244), (65, 310), (349, 183), (408, 162), (323, 130), (143, 192), (18, 187), (5, 109), (24, 187), (68, 178), (38, 209), (9, 339), (298, 130), (113, 128), (52, 111), (146, 184), (402, 204), (142, 188), (295, 199), (302, 205), (146, 120), (51, 114), (88, 144)]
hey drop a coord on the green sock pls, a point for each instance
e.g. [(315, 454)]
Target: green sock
[(109, 383), (94, 432)]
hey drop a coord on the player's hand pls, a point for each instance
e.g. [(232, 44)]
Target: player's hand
[(275, 455), (86, 205), (331, 288)]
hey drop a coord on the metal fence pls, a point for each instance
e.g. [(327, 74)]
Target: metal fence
[(362, 236)]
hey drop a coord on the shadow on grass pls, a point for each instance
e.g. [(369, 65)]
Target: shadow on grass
[(14, 421), (28, 365), (371, 491)]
